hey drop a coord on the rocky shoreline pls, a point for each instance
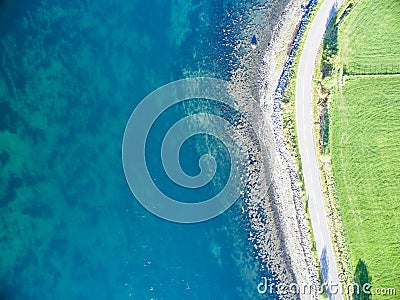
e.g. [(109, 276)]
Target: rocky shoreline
[(275, 209)]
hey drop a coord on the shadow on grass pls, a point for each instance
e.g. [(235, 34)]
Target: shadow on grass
[(330, 47), (361, 277)]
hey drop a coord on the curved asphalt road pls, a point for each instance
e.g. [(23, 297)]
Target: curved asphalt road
[(305, 133)]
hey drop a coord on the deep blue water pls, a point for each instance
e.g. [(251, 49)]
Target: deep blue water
[(70, 228)]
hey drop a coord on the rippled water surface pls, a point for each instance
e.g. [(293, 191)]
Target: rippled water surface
[(71, 73)]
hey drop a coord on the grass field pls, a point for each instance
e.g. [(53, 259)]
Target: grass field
[(365, 143), (365, 139), (370, 38)]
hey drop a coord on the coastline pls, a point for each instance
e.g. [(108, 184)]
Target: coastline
[(279, 233), (276, 234)]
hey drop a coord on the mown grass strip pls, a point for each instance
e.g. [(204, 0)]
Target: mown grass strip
[(369, 38)]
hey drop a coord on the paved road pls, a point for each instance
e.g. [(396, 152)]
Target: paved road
[(305, 132)]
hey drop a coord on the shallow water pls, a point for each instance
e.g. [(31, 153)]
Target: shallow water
[(71, 74)]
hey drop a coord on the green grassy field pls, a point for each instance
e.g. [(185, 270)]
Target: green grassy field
[(365, 139), (370, 38), (365, 143)]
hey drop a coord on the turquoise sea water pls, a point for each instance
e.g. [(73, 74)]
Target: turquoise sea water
[(71, 72)]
